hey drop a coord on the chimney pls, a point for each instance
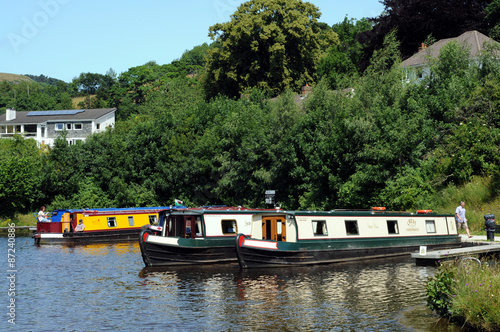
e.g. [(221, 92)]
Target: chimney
[(10, 114), (306, 89)]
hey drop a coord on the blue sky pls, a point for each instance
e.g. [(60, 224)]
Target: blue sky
[(63, 38)]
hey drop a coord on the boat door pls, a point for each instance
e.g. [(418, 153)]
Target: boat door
[(274, 228), (187, 227)]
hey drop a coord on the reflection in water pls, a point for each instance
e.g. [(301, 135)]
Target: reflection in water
[(106, 287)]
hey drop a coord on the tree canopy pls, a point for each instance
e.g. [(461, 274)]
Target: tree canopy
[(415, 20), (270, 44)]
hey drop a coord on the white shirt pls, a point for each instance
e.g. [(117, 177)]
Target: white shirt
[(460, 214)]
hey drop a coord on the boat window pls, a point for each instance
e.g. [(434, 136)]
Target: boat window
[(131, 220), (392, 227), (111, 221), (430, 226), (351, 227), (229, 226), (197, 227), (152, 219), (319, 227), (170, 226), (178, 226)]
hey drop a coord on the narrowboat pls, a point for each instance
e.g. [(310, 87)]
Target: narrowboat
[(309, 237), (100, 225), (192, 236)]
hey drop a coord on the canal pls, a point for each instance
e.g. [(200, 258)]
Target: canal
[(106, 288)]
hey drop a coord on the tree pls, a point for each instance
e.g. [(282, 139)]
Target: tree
[(20, 175), (271, 44), (89, 83), (493, 19)]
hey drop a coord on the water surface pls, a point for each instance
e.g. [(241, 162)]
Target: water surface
[(105, 287)]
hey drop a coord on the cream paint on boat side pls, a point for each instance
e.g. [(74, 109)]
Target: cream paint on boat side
[(51, 235), (260, 244), (373, 226), (213, 223), (164, 240)]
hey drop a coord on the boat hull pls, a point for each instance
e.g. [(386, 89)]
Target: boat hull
[(253, 253), (160, 251), (87, 237)]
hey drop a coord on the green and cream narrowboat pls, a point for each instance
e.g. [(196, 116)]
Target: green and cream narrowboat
[(310, 237)]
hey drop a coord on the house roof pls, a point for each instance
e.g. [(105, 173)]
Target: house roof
[(474, 40), (53, 116)]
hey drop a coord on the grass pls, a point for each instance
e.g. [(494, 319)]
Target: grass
[(480, 198), (77, 100), (19, 220), (467, 293), (13, 77)]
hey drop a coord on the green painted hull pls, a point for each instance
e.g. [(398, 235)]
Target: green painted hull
[(310, 252)]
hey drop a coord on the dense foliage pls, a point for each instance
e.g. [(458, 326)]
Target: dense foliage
[(382, 142), (466, 291), (417, 19), (274, 45)]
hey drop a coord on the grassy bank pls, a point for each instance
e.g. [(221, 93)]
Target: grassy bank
[(480, 196), (19, 220), (467, 293)]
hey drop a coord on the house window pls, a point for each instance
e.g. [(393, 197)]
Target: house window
[(97, 126), (59, 126), (69, 126), (392, 227), (351, 227), (430, 226), (111, 221), (152, 219), (131, 221), (77, 126), (319, 227), (229, 227)]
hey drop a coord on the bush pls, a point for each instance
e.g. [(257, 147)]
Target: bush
[(439, 290), (467, 292)]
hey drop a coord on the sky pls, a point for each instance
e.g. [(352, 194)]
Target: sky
[(64, 38)]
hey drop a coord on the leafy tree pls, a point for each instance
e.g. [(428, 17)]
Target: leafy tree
[(342, 62), (88, 83), (196, 56), (493, 19), (20, 175), (47, 80), (416, 19), (270, 44), (30, 96)]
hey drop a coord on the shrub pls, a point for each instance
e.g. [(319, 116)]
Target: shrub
[(467, 293)]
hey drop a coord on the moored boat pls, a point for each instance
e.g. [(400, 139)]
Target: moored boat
[(311, 237), (191, 236), (100, 225)]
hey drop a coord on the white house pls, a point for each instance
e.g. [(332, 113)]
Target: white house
[(417, 66), (46, 126)]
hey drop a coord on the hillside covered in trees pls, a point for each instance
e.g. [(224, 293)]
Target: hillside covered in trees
[(223, 123)]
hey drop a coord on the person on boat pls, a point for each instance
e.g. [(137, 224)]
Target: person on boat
[(80, 227), (42, 216), (460, 218)]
